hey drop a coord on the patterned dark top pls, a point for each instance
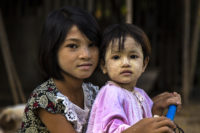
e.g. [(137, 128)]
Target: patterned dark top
[(48, 97)]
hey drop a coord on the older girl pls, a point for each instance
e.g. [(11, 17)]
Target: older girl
[(68, 55)]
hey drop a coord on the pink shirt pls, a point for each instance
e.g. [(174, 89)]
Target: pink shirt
[(115, 109)]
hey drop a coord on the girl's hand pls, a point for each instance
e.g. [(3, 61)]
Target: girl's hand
[(152, 125), (163, 100)]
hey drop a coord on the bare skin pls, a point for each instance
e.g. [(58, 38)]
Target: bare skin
[(163, 100), (56, 123), (152, 125)]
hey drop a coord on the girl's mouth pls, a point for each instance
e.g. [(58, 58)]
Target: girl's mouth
[(85, 66)]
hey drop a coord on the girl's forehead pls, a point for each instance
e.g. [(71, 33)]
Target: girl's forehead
[(75, 32)]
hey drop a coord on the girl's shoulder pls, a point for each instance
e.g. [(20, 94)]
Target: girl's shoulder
[(47, 86), (44, 96)]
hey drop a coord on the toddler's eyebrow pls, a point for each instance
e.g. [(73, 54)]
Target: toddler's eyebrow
[(115, 51), (133, 51)]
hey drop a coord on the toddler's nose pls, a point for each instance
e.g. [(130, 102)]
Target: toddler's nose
[(125, 62)]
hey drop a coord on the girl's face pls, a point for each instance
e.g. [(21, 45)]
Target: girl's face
[(126, 66), (77, 56)]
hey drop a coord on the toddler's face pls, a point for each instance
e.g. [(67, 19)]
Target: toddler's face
[(126, 66)]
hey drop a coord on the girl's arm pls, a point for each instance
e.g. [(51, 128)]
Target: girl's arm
[(163, 100), (152, 125), (55, 123)]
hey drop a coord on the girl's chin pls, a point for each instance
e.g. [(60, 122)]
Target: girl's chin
[(84, 76)]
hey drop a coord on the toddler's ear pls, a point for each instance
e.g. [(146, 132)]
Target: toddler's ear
[(103, 67)]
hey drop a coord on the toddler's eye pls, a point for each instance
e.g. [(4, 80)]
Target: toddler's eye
[(115, 57), (72, 46), (133, 56)]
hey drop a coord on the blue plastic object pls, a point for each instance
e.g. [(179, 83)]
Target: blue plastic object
[(171, 112)]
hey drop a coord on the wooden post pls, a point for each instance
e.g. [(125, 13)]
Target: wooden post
[(90, 5), (10, 67), (189, 55), (56, 4), (47, 7), (185, 59), (195, 43), (129, 15)]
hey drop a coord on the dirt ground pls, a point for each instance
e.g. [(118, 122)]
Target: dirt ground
[(189, 118)]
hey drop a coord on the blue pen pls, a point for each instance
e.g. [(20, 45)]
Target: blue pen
[(171, 112)]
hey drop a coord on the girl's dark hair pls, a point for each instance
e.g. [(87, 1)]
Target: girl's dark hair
[(56, 27), (118, 32)]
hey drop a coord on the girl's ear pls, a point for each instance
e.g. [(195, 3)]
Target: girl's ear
[(145, 63), (103, 67)]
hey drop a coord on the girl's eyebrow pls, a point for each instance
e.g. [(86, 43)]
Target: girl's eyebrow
[(73, 39), (117, 51)]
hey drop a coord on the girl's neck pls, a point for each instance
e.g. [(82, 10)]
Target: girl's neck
[(68, 86), (71, 88)]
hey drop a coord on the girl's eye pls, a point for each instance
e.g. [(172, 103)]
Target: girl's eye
[(92, 45), (133, 56), (115, 57), (72, 46)]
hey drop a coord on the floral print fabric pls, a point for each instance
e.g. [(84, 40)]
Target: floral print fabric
[(48, 97)]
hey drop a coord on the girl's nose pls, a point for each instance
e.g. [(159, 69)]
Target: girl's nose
[(85, 53)]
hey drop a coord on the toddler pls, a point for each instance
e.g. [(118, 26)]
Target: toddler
[(120, 106)]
